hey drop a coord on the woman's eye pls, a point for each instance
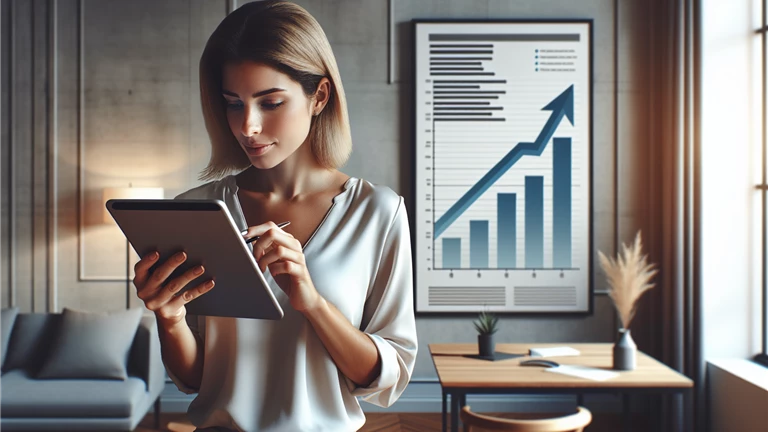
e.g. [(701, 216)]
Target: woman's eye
[(271, 106), (234, 105)]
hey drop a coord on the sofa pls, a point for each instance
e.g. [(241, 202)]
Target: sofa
[(79, 403)]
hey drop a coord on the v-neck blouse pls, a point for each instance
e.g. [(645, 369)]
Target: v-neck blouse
[(277, 376)]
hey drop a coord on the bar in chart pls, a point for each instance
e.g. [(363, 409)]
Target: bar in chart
[(478, 244), (534, 221), (506, 221), (451, 252), (561, 202)]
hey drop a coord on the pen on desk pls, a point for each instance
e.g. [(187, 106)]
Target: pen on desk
[(253, 239)]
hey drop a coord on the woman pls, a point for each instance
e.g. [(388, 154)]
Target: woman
[(276, 113)]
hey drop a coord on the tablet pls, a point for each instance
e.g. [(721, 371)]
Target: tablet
[(205, 230)]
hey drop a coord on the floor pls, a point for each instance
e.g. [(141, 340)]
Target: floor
[(392, 422)]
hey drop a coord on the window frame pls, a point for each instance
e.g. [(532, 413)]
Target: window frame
[(762, 358)]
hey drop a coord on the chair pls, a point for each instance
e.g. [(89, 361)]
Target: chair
[(569, 423)]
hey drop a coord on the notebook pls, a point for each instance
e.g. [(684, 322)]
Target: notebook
[(553, 352), (585, 372)]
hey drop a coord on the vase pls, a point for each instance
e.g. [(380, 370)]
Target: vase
[(624, 352), (485, 344)]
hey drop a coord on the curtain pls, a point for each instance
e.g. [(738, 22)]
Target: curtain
[(664, 153)]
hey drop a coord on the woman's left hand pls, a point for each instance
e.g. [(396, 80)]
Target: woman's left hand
[(283, 255)]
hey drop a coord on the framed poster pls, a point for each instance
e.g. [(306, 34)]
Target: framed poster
[(503, 181)]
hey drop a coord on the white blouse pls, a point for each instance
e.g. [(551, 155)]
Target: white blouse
[(276, 376)]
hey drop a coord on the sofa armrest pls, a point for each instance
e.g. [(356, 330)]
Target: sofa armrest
[(145, 360)]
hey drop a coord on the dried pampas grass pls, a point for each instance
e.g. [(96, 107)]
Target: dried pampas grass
[(629, 276)]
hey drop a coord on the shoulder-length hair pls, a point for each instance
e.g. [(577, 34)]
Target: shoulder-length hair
[(285, 36)]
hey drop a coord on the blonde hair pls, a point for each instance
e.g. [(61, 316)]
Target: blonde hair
[(285, 36)]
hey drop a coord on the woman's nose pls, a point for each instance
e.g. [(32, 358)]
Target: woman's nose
[(251, 123)]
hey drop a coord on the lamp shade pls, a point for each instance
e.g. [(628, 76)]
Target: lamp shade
[(128, 193)]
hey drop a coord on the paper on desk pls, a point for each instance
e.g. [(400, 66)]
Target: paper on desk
[(585, 372), (554, 352)]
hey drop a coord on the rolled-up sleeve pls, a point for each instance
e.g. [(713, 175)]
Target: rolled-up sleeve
[(388, 316), (197, 325)]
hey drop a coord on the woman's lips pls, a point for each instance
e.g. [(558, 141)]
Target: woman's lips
[(258, 149)]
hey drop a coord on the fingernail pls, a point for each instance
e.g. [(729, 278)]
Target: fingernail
[(198, 270), (244, 232), (209, 284), (180, 257)]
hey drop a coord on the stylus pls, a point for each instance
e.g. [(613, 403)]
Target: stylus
[(253, 239)]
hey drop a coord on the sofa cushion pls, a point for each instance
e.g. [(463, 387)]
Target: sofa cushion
[(7, 317), (24, 396), (92, 345), (31, 338)]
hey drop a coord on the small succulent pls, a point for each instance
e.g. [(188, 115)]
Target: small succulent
[(487, 323)]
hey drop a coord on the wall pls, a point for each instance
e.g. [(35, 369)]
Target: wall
[(135, 118), (738, 395)]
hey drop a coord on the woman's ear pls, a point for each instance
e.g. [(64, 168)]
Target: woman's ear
[(322, 96)]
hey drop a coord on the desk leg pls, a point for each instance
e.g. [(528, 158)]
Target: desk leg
[(626, 420), (445, 413), (689, 420), (455, 408)]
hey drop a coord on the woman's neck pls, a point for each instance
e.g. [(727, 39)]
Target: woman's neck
[(296, 176)]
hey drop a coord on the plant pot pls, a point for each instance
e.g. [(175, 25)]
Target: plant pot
[(486, 345), (625, 352)]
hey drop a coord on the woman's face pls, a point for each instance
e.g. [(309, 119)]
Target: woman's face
[(267, 111)]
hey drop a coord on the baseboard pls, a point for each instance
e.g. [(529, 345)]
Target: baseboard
[(425, 396)]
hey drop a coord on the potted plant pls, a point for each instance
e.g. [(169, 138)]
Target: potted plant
[(629, 276), (486, 325)]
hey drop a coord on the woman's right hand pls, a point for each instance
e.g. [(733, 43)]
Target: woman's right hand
[(159, 296)]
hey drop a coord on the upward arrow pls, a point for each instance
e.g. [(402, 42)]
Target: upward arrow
[(560, 106)]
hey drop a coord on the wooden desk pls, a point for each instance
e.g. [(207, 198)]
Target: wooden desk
[(460, 375)]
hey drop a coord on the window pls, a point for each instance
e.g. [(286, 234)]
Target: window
[(762, 32)]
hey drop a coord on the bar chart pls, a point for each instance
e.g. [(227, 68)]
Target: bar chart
[(506, 221), (503, 149), (506, 204)]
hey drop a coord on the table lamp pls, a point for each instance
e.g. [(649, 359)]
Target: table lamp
[(128, 193)]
